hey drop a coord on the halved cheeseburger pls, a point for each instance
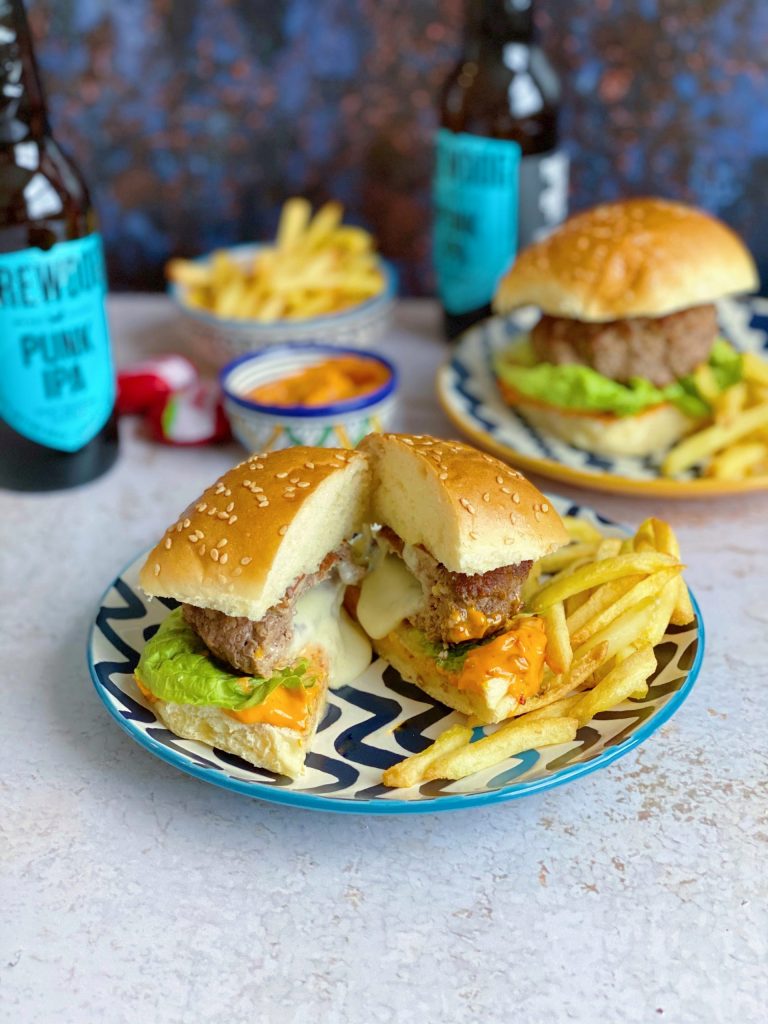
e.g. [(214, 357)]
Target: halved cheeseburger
[(626, 292), (259, 564), (456, 534)]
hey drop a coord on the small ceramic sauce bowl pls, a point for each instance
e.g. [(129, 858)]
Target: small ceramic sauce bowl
[(264, 428)]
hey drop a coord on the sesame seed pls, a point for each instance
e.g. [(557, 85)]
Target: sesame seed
[(309, 465), (408, 441), (179, 527), (220, 488), (516, 498), (537, 516), (499, 479), (473, 535), (223, 559), (283, 530), (202, 506), (228, 493), (212, 510), (294, 479), (215, 554), (544, 507), (257, 490), (222, 543), (443, 475), (237, 571), (246, 560), (467, 505), (232, 520), (222, 515), (168, 542), (157, 569), (505, 490), (192, 536), (280, 476), (230, 506), (486, 496), (247, 483), (201, 549), (259, 465), (303, 483), (185, 524)]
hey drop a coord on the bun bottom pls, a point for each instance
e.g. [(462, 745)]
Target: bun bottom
[(647, 433), (272, 747)]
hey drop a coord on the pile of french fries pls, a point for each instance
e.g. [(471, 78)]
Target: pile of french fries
[(316, 266), (606, 603), (735, 444)]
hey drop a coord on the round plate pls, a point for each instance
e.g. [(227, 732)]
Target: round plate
[(377, 721), (466, 387)]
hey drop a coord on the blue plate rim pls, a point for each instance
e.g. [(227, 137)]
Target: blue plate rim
[(424, 805)]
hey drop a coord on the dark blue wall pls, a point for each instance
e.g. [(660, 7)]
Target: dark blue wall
[(193, 119)]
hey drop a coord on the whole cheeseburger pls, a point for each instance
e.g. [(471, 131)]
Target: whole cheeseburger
[(627, 292)]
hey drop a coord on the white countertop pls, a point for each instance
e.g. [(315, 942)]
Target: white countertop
[(131, 892)]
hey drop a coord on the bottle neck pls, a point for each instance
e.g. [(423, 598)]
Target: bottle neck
[(502, 21), (22, 102)]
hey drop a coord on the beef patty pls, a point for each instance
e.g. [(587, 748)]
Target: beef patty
[(259, 648), (661, 349), (459, 606)]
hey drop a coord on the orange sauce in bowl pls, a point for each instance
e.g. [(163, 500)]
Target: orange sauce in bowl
[(338, 379)]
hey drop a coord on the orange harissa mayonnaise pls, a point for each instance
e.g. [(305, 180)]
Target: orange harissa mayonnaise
[(471, 624), (334, 380), (290, 708), (517, 655)]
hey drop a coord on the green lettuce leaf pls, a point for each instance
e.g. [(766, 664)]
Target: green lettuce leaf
[(580, 387), (175, 665)]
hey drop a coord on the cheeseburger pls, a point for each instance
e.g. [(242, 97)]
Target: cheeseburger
[(626, 292), (259, 565), (455, 535)]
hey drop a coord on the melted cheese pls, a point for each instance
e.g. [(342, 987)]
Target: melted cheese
[(319, 620), (389, 594)]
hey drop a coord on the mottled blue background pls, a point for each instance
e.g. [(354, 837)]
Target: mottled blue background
[(192, 120)]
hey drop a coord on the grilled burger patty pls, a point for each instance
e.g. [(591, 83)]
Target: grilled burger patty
[(661, 349), (458, 606), (259, 648)]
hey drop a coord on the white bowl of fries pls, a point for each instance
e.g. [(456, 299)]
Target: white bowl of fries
[(319, 281)]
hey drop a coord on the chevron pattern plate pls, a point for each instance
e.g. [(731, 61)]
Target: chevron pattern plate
[(466, 387), (377, 721)]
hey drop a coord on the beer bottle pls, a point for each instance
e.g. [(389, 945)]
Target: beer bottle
[(57, 387), (500, 179)]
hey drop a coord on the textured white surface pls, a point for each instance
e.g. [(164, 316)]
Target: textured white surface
[(131, 892)]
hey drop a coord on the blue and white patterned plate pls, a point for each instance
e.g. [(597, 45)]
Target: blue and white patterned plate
[(378, 720), (466, 387)]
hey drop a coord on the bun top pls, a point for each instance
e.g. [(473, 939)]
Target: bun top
[(470, 511), (266, 522), (637, 257)]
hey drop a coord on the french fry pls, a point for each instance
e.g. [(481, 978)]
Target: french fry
[(706, 383), (410, 770), (566, 556), (600, 599), (609, 547), (531, 584), (316, 266), (595, 573), (558, 709), (649, 586), (559, 652), (665, 540), (754, 368), (730, 403), (581, 530), (509, 739), (627, 678), (700, 446), (625, 631), (737, 461)]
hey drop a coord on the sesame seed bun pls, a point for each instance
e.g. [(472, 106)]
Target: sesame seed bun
[(637, 257), (266, 522), (469, 510)]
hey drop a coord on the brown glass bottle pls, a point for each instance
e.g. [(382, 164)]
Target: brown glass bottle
[(57, 388), (500, 178)]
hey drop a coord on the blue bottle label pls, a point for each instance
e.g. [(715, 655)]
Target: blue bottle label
[(476, 191), (57, 382)]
